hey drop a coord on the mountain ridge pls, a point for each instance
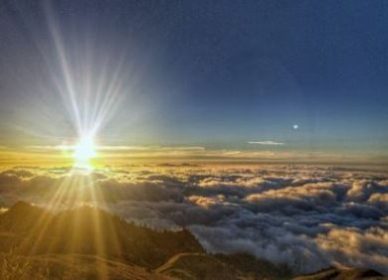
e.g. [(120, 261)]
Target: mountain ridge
[(91, 243)]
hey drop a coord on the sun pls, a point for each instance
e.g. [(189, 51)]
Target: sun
[(84, 152)]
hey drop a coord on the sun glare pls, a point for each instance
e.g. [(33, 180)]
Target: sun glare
[(84, 152)]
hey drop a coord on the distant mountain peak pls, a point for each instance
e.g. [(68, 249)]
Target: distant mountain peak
[(21, 206)]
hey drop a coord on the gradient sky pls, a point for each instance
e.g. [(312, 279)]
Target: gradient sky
[(214, 74)]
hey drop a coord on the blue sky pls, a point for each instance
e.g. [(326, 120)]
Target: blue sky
[(216, 73)]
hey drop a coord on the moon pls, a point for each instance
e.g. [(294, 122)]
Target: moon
[(295, 127)]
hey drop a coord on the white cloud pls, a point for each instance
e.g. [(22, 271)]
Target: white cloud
[(269, 142)]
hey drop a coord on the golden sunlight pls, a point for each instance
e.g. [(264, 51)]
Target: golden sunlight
[(84, 152)]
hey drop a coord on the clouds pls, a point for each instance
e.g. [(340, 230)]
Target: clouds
[(270, 143), (365, 248), (307, 216)]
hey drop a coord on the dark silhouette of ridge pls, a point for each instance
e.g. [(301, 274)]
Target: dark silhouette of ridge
[(91, 231), (21, 217)]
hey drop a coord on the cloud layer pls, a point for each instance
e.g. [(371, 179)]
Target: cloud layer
[(309, 217), (270, 142)]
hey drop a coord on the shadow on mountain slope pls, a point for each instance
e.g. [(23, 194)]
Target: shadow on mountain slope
[(343, 274)]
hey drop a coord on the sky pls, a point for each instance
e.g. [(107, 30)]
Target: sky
[(306, 76), (214, 93)]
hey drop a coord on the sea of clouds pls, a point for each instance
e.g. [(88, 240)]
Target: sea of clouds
[(306, 216)]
